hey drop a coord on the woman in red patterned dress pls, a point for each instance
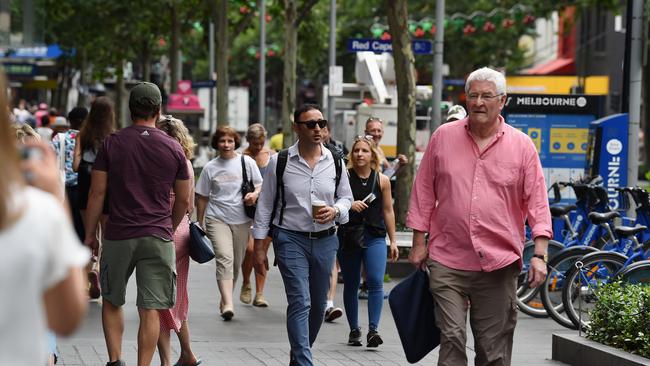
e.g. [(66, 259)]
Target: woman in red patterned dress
[(176, 318)]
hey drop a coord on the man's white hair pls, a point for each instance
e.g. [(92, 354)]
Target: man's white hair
[(487, 74)]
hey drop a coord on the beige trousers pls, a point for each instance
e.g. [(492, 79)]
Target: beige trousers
[(229, 243), (491, 299)]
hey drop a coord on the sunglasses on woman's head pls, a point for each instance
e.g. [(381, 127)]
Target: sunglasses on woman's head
[(363, 137), (312, 124)]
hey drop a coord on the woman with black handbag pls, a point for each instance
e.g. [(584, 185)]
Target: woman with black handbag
[(176, 317), (363, 238), (220, 208)]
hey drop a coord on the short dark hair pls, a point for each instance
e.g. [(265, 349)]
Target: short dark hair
[(305, 108), (76, 117), (225, 131), (143, 111)]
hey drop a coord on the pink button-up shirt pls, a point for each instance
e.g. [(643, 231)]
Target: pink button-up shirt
[(474, 203)]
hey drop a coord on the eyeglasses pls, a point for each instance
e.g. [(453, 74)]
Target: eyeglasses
[(486, 97), (312, 124)]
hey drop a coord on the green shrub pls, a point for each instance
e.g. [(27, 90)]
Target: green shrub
[(621, 317)]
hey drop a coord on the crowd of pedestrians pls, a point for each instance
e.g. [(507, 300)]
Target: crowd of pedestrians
[(129, 195)]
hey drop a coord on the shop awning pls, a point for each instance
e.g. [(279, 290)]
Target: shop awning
[(559, 66)]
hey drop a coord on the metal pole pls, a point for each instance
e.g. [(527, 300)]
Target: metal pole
[(261, 103), (211, 77), (636, 46), (332, 58), (28, 22), (437, 65)]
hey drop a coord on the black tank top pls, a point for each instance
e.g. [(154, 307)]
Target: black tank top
[(373, 216)]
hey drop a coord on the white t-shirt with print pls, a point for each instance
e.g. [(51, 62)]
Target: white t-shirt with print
[(221, 181), (37, 253)]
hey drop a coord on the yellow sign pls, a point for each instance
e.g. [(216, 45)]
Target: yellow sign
[(568, 140), (536, 135), (594, 85)]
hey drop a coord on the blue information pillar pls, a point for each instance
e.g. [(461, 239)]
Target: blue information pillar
[(607, 154)]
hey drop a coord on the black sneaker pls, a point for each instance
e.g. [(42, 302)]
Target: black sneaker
[(332, 314), (373, 339), (355, 337), (116, 363)]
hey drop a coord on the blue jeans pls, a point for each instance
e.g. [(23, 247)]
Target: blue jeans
[(374, 261), (305, 266)]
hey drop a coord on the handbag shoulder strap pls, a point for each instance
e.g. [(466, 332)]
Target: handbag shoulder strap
[(243, 169)]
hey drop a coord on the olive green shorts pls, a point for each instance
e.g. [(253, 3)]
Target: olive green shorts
[(154, 260)]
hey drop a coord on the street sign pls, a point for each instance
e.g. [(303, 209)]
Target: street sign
[(336, 81), (51, 51), (420, 47), (19, 69)]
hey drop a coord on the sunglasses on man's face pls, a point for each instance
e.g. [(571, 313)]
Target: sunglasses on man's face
[(312, 124)]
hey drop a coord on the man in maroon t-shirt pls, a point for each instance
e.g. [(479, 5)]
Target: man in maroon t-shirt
[(138, 167)]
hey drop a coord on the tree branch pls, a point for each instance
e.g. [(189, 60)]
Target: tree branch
[(241, 25), (302, 12)]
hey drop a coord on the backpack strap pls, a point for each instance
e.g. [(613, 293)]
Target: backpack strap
[(283, 156), (244, 176), (338, 166)]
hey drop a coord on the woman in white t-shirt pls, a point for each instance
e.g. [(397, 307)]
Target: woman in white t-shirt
[(220, 207), (41, 282)]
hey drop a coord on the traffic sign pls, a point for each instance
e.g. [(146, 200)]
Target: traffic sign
[(420, 46)]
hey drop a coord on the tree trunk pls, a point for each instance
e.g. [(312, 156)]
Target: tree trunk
[(119, 95), (289, 77), (174, 48), (146, 61), (222, 62), (83, 90), (405, 76)]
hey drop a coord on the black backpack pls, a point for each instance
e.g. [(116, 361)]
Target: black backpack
[(283, 155)]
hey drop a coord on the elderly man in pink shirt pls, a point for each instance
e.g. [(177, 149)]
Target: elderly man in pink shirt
[(479, 181)]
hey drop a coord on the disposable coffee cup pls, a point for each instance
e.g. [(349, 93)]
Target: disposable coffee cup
[(316, 205)]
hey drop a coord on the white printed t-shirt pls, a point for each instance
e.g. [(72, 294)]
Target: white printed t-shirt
[(221, 181)]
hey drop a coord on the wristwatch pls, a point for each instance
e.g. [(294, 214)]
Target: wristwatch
[(543, 257), (338, 213)]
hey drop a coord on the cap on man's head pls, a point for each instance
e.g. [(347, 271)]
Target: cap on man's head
[(146, 94), (456, 112)]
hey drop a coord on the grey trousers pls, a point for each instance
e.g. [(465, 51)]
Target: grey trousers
[(491, 300)]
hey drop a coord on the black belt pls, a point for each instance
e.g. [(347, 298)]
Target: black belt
[(314, 234)]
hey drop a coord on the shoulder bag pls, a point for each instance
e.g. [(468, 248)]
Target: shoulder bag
[(201, 250), (247, 187)]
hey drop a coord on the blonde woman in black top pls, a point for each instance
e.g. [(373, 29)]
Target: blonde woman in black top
[(363, 238)]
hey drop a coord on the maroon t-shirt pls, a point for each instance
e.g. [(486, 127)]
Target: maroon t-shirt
[(142, 164)]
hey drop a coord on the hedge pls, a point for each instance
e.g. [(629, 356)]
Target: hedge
[(621, 317)]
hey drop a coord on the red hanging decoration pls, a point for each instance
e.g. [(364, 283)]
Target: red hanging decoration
[(419, 33), (489, 27), (270, 53), (257, 55), (528, 19), (385, 36), (507, 23), (244, 9), (433, 29), (469, 29), (267, 18)]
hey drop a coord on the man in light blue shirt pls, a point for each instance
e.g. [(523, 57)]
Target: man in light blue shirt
[(305, 244)]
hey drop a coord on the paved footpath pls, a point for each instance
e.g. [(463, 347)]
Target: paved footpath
[(257, 336)]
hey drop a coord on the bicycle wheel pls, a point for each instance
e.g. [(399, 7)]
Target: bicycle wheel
[(551, 289), (578, 294), (637, 273)]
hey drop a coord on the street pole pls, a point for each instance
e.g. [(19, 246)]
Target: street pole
[(211, 77), (332, 59), (261, 103), (437, 65), (636, 46)]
